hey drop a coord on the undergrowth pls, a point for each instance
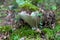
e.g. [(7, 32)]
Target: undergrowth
[(29, 33)]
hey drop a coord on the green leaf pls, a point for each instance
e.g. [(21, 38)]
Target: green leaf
[(16, 37), (26, 4), (20, 2), (53, 7), (40, 14), (57, 28)]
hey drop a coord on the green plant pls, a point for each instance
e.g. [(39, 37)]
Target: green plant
[(5, 28), (24, 31), (49, 33), (26, 4), (57, 28), (57, 37)]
